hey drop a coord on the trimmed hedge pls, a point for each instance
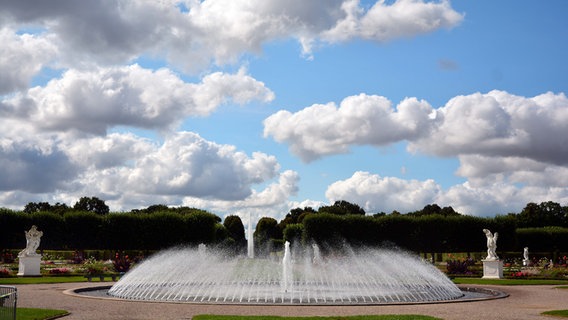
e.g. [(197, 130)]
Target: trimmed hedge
[(432, 233), (545, 239), (115, 231), (293, 232)]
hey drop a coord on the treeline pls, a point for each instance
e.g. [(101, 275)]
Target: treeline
[(80, 230), (89, 225), (542, 227)]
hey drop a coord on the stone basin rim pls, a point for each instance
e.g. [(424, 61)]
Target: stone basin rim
[(471, 294)]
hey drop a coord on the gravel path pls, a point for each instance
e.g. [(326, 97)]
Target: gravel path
[(524, 302)]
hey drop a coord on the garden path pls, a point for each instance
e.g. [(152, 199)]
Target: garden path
[(524, 302)]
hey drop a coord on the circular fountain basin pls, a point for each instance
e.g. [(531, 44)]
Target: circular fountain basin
[(350, 277), (469, 294)]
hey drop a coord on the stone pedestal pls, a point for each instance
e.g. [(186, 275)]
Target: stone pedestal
[(492, 269), (29, 266)]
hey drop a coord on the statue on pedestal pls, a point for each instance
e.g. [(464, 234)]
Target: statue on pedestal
[(29, 264), (33, 237), (491, 245), (526, 260)]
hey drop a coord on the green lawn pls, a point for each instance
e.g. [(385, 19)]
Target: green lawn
[(38, 314), (504, 282), (509, 282), (557, 313), (381, 317)]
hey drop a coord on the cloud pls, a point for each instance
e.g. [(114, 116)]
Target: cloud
[(94, 100), (128, 171), (95, 32), (188, 165), (376, 194), (109, 151), (21, 58), (499, 124), (385, 194), (384, 21), (271, 201), (321, 130), (483, 170), (193, 34), (512, 149), (496, 126), (29, 168), (498, 198)]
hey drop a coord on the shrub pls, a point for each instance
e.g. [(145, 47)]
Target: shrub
[(5, 273), (293, 232), (121, 263), (95, 267), (7, 257), (458, 266), (59, 271)]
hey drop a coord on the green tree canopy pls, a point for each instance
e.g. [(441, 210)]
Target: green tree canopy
[(92, 204), (33, 207), (544, 214), (342, 207), (235, 227)]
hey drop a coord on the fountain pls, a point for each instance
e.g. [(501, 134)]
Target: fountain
[(363, 276)]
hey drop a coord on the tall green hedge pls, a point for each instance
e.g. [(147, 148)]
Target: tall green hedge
[(293, 232), (545, 239), (12, 227), (432, 233), (115, 231)]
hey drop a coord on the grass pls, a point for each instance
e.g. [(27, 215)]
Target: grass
[(504, 282), (557, 313), (38, 314), (509, 282), (381, 317)]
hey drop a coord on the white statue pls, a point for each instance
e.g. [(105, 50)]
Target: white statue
[(32, 242), (526, 257), (491, 245)]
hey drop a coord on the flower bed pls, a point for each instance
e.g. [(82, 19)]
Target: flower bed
[(5, 273)]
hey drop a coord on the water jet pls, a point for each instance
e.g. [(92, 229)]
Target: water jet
[(352, 276)]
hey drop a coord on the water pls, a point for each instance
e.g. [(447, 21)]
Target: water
[(370, 276)]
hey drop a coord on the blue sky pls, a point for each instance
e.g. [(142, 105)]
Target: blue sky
[(263, 106)]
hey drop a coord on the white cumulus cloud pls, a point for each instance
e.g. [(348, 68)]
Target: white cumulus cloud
[(96, 100), (385, 21), (192, 34), (375, 193), (21, 58), (321, 130)]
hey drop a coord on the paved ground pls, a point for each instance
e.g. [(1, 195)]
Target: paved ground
[(524, 302)]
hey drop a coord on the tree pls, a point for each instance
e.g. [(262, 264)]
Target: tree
[(235, 227), (266, 229), (295, 216), (33, 207), (448, 212), (430, 209), (92, 204), (554, 213), (342, 207), (156, 208), (544, 214)]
